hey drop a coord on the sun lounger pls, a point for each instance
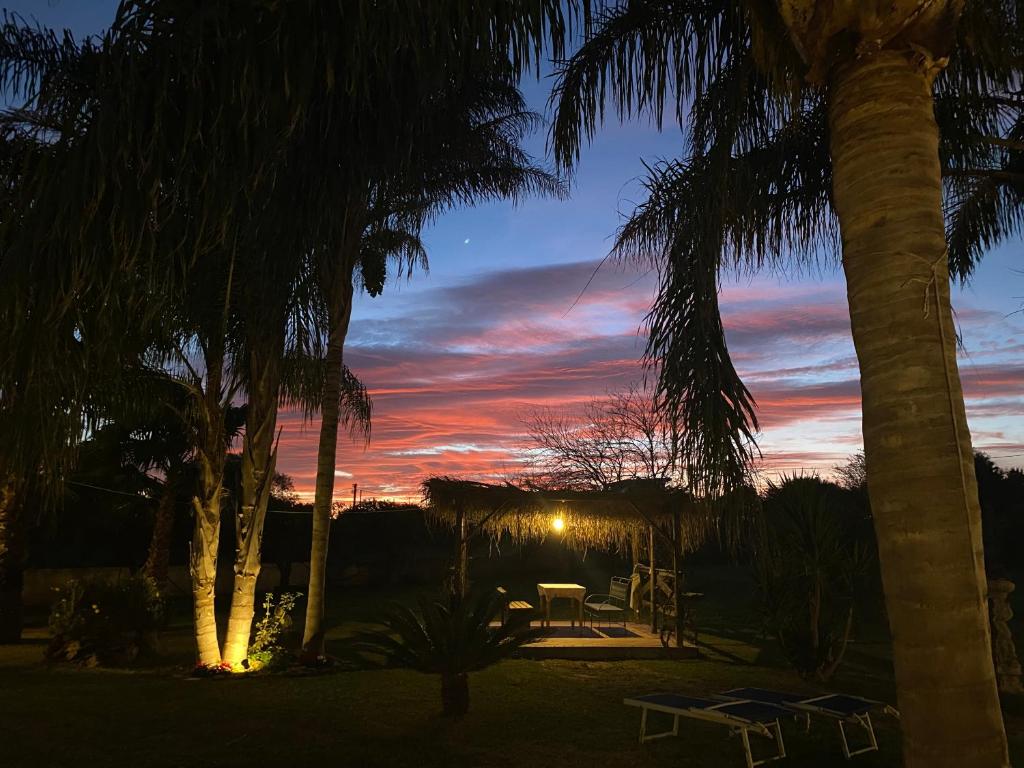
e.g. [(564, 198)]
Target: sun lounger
[(741, 717), (838, 707)]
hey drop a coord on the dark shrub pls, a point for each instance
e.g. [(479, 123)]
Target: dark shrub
[(97, 621), (811, 561)]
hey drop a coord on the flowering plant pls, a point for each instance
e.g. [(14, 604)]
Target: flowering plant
[(266, 649)]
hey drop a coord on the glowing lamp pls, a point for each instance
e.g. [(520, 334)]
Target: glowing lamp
[(558, 524)]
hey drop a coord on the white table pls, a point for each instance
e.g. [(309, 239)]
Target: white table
[(549, 592)]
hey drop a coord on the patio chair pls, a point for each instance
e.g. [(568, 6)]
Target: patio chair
[(840, 708), (612, 607), (514, 610), (741, 718)]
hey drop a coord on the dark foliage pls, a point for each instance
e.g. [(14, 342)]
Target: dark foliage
[(95, 621), (811, 551), (1001, 495), (450, 638)]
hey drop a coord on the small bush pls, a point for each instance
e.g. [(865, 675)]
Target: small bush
[(811, 561), (96, 621), (265, 651)]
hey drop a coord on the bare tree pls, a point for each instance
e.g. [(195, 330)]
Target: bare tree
[(852, 475), (621, 436)]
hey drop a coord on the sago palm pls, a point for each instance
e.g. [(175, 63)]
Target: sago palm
[(811, 129), (450, 639)]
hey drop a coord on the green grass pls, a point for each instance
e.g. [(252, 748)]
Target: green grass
[(522, 713)]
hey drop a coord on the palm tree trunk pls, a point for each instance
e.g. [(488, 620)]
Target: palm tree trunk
[(454, 694), (340, 313), (837, 651), (815, 620), (203, 565), (211, 448), (159, 556), (677, 575), (888, 197), (259, 457), (12, 563)]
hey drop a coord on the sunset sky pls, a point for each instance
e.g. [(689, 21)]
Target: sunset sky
[(453, 359)]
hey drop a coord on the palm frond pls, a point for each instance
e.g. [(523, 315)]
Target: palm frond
[(455, 636), (385, 243), (982, 211), (31, 55), (641, 57), (304, 382)]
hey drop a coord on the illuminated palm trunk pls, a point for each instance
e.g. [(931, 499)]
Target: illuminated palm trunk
[(206, 510), (259, 457), (888, 197), (203, 566), (12, 563), (340, 312)]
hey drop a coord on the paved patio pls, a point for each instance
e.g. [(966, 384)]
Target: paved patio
[(604, 643)]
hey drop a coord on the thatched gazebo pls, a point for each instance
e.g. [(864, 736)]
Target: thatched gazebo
[(629, 516)]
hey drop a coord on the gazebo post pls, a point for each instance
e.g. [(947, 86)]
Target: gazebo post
[(677, 559), (459, 582), (652, 585)]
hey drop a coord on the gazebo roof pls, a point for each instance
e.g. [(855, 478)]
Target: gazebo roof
[(610, 518)]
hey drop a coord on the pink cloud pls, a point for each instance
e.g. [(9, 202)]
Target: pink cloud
[(453, 372)]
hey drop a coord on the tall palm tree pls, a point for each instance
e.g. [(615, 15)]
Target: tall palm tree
[(468, 151), (374, 249), (56, 375), (792, 88)]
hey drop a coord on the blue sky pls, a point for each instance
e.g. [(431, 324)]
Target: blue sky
[(455, 358)]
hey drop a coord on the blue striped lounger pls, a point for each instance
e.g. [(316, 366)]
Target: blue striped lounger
[(838, 707), (741, 717)]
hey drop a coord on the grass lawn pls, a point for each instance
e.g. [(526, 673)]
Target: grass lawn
[(522, 713)]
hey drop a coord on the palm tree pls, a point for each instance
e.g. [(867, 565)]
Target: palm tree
[(168, 446), (450, 639), (264, 352), (152, 437), (468, 152), (789, 89), (57, 376), (337, 390)]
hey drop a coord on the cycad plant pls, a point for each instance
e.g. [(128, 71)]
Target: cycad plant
[(450, 638)]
